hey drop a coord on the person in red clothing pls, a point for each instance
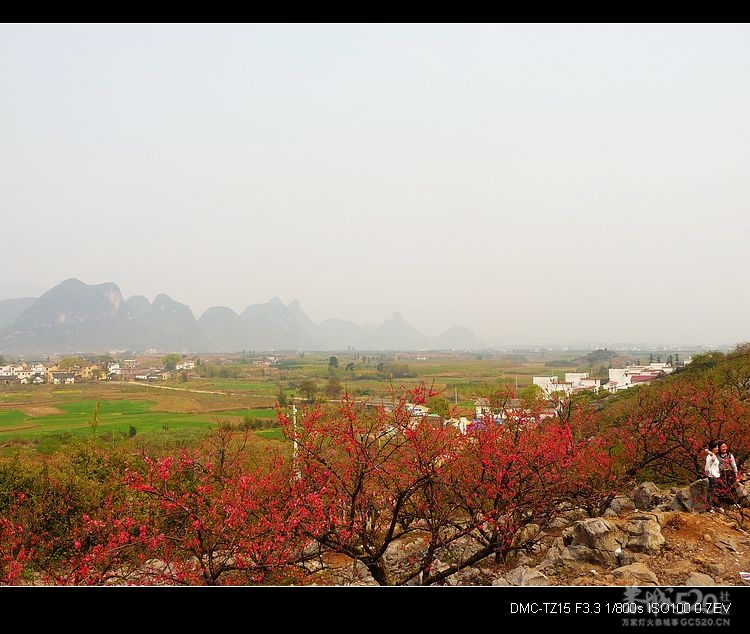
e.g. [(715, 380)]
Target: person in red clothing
[(728, 471)]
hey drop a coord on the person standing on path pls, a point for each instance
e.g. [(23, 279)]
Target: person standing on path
[(728, 471), (713, 473)]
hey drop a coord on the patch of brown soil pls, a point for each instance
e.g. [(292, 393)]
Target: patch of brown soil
[(41, 410), (177, 405)]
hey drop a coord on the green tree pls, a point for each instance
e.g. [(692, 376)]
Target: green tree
[(170, 361), (333, 387), (281, 398), (532, 393), (439, 405), (333, 362), (68, 363), (350, 367), (94, 420), (309, 388), (395, 370)]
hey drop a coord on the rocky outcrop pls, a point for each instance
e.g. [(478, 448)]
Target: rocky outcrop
[(643, 534), (647, 496)]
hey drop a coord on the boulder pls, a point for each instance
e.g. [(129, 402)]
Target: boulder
[(637, 574), (647, 495), (699, 579), (644, 535), (524, 576)]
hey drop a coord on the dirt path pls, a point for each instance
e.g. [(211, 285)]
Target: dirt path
[(182, 389)]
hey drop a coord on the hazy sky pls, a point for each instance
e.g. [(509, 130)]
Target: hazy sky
[(536, 183)]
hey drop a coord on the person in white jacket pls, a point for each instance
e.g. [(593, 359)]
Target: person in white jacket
[(712, 472)]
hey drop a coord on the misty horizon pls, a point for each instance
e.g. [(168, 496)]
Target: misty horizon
[(491, 343)]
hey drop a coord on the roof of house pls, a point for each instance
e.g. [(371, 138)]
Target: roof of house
[(641, 378)]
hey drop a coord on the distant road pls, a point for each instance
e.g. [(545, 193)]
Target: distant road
[(180, 389)]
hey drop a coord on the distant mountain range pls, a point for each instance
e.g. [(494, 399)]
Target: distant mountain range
[(77, 317)]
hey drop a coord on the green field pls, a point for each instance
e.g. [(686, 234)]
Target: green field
[(256, 387), (271, 434), (15, 397), (259, 412), (116, 418)]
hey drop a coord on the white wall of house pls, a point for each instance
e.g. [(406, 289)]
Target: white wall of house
[(621, 375), (551, 384), (545, 382), (591, 383), (11, 369), (575, 377)]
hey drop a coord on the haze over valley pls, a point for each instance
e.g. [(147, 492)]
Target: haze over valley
[(77, 317), (573, 185)]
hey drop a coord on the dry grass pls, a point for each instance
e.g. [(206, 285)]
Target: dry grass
[(41, 410)]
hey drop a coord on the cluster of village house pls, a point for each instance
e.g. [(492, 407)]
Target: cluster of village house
[(619, 379), (573, 383), (125, 370)]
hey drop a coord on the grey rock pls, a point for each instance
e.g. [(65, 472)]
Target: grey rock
[(524, 576), (699, 579), (635, 574)]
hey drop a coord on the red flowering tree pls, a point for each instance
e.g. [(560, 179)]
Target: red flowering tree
[(391, 481), (219, 519), (111, 546), (516, 477), (213, 516), (42, 507), (376, 473), (14, 548)]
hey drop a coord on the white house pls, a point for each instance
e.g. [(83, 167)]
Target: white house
[(63, 378), (552, 384), (581, 381), (482, 408), (24, 375), (624, 378)]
